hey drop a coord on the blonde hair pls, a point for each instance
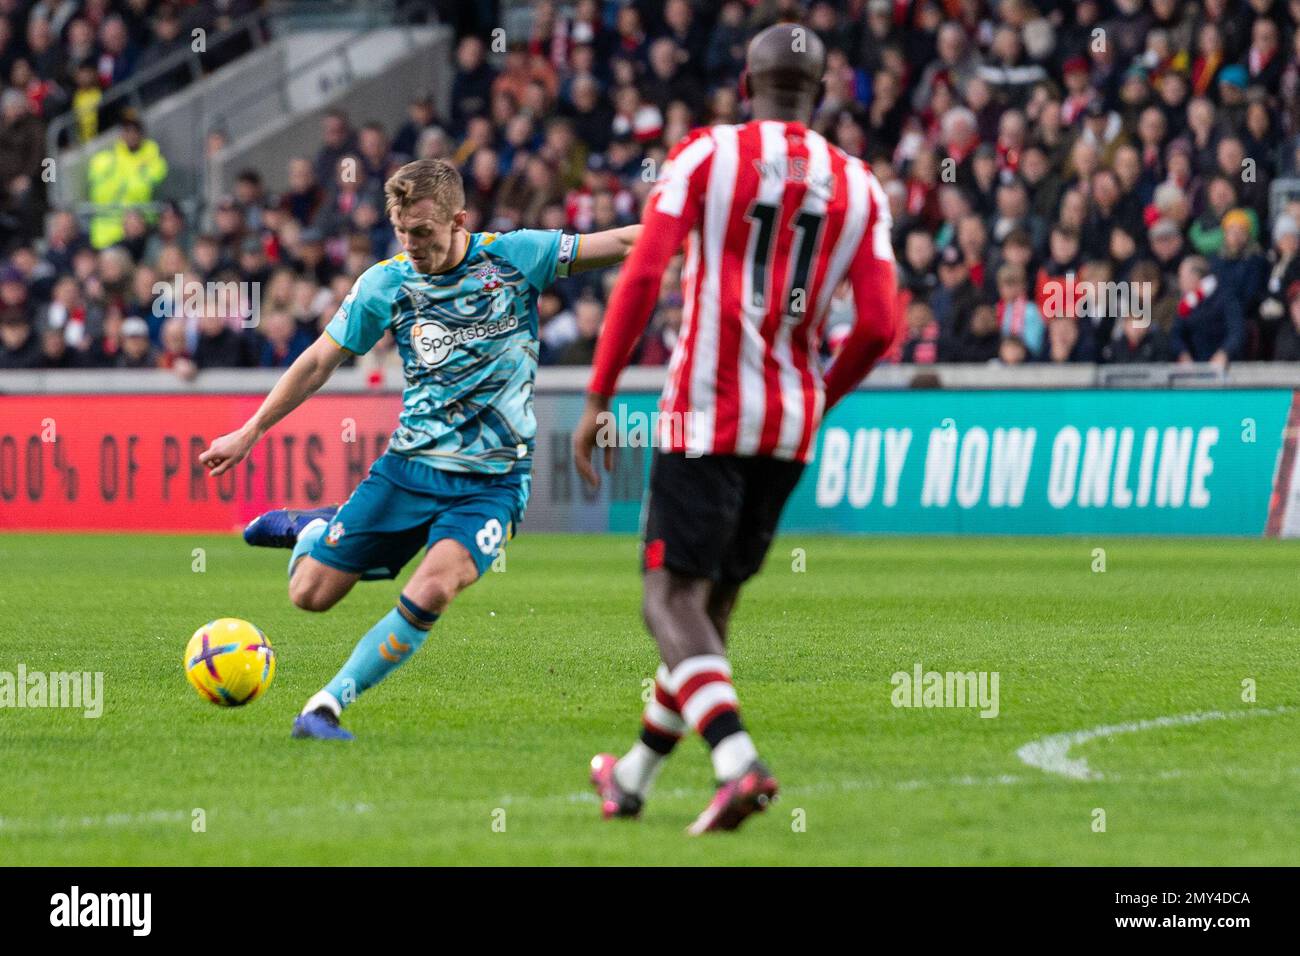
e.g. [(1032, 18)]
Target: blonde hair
[(434, 179)]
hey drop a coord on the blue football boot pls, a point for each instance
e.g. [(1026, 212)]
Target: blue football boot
[(280, 528), (319, 724)]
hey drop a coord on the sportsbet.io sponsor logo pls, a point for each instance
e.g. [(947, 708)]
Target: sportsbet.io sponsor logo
[(433, 342)]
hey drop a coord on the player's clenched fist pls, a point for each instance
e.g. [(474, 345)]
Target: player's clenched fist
[(226, 452)]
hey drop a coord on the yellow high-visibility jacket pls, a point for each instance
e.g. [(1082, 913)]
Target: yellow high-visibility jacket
[(119, 176)]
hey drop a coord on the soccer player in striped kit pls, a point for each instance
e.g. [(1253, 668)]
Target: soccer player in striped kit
[(772, 218)]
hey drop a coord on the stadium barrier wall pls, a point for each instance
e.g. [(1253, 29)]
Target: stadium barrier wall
[(118, 451)]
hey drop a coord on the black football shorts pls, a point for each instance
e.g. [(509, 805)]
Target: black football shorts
[(713, 516)]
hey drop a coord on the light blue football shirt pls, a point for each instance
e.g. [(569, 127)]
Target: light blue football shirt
[(468, 343)]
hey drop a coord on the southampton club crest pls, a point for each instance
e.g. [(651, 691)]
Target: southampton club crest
[(333, 533), (488, 275)]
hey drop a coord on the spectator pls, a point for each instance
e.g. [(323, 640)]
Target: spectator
[(1066, 344), (955, 65), (116, 54), (1233, 164), (55, 353), (916, 270), (350, 188), (1210, 327), (220, 346), (106, 347), (471, 88), (1206, 233), (588, 317), (1017, 315), (1095, 279), (558, 326), (661, 337), (136, 351), (955, 299), (304, 196), (1288, 336), (725, 56), (978, 341), (337, 140), (250, 197), (1062, 261), (667, 80), (86, 97), (1012, 350), (419, 117), (175, 354), (1013, 213), (374, 156), (280, 341), (1167, 248), (1107, 210), (123, 174), (22, 147), (167, 41), (921, 334), (1283, 272), (1009, 71), (19, 348), (1139, 341), (1240, 265), (309, 259)]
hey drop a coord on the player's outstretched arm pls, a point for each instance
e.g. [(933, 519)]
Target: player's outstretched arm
[(599, 249), (308, 373)]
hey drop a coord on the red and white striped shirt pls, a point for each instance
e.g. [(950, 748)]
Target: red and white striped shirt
[(773, 217)]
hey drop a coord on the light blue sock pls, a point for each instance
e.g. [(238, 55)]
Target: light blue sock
[(387, 646), (306, 539)]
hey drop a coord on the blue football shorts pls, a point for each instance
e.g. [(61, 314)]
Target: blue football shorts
[(404, 505)]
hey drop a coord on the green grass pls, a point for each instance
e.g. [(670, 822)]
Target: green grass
[(535, 669)]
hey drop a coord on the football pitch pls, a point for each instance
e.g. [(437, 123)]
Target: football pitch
[(1147, 713)]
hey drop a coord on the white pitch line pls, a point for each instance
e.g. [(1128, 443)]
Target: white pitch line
[(65, 824), (1052, 753), (824, 786)]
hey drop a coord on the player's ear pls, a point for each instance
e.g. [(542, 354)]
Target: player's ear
[(458, 220)]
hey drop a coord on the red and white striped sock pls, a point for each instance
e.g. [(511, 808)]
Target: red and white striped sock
[(661, 727), (709, 703)]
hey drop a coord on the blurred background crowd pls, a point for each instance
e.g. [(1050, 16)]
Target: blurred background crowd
[(1037, 156)]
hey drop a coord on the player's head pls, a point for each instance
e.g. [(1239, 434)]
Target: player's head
[(425, 202), (784, 66)]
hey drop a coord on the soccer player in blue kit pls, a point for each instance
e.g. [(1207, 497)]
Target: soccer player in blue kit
[(455, 477)]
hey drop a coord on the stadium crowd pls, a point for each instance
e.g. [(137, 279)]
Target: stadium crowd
[(1034, 154)]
